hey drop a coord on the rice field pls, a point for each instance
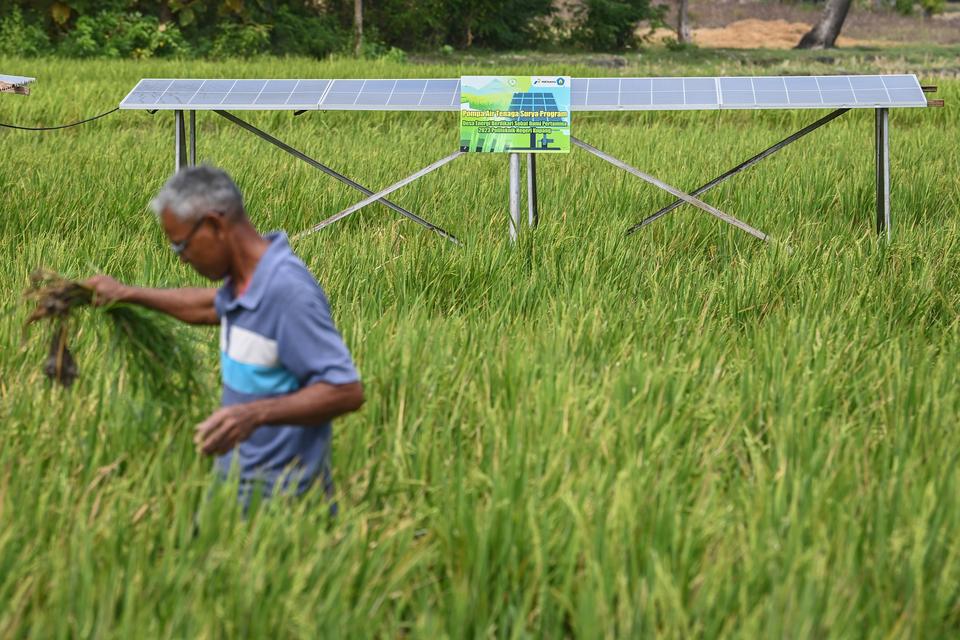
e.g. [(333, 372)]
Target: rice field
[(682, 433)]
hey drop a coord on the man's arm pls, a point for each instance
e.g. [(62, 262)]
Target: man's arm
[(191, 305), (313, 405)]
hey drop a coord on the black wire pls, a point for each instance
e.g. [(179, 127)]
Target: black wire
[(62, 126)]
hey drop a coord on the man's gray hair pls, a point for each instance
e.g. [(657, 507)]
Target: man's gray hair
[(194, 192)]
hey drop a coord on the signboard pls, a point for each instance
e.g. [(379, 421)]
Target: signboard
[(515, 114)]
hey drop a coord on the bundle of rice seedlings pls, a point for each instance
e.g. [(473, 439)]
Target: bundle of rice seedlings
[(150, 351)]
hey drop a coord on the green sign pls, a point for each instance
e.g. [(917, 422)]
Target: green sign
[(515, 114)]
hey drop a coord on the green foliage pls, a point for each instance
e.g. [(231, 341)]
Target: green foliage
[(933, 7), (21, 38), (610, 25), (674, 44), (903, 7), (236, 40), (499, 24), (233, 28), (306, 35), (906, 7), (122, 35)]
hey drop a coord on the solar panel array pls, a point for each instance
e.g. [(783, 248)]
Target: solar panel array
[(751, 92), (404, 95), (587, 94)]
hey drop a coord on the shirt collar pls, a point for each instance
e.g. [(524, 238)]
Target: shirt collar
[(278, 249)]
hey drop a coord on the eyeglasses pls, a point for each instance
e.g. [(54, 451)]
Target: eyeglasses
[(180, 246)]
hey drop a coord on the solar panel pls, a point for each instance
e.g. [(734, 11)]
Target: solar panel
[(17, 81), (394, 95), (202, 95), (587, 94), (749, 92)]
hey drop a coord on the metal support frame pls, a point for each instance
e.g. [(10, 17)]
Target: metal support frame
[(746, 164), (382, 193), (185, 154), (883, 172), (514, 196), (193, 137), (179, 143), (333, 174), (533, 215), (700, 204)]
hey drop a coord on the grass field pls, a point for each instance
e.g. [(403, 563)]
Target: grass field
[(683, 433)]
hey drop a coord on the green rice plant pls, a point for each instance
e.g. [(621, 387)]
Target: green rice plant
[(681, 433), (142, 342)]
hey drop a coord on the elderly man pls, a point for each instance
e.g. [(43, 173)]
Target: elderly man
[(286, 371)]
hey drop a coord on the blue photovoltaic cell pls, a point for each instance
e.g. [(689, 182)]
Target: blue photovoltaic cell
[(280, 86), (736, 84), (603, 85), (249, 86), (340, 99), (217, 86), (404, 100), (442, 85), (410, 86), (346, 86), (631, 85), (153, 85), (900, 82), (667, 84)]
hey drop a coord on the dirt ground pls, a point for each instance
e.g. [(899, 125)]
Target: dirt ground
[(754, 34), (759, 24)]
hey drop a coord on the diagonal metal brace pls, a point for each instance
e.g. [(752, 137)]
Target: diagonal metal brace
[(330, 172), (746, 164), (700, 204), (380, 194)]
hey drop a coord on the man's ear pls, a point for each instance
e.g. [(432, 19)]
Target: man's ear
[(220, 223)]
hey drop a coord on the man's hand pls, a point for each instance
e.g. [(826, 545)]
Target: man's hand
[(106, 290), (225, 429)]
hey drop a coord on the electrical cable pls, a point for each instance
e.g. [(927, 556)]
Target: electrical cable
[(62, 126)]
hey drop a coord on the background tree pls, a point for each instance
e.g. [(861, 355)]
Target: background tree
[(824, 33), (683, 23), (357, 27)]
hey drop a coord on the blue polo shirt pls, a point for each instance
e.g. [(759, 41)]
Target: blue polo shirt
[(275, 339)]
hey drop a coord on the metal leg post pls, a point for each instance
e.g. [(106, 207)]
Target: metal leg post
[(533, 215), (193, 137), (883, 172), (514, 196), (179, 144)]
